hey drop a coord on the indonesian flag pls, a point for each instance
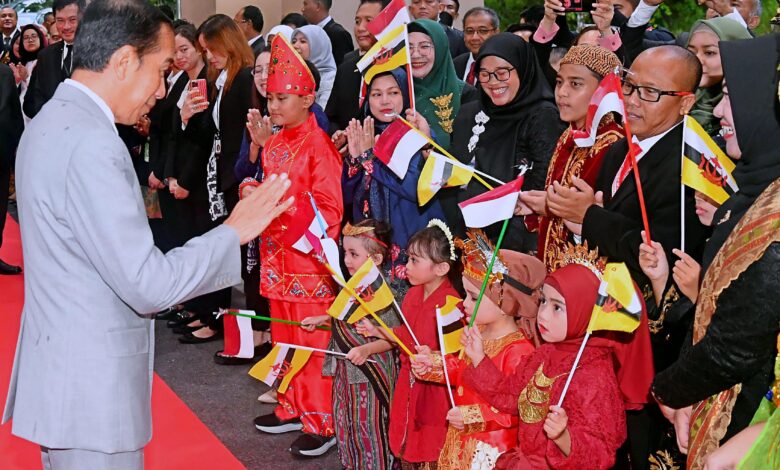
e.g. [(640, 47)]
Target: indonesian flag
[(387, 54), (493, 206), (705, 167), (441, 172), (450, 321), (618, 305), (368, 283), (280, 365), (303, 220), (238, 334), (396, 146), (608, 98), (392, 16)]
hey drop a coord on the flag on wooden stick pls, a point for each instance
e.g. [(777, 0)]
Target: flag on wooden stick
[(440, 172), (450, 321), (280, 365)]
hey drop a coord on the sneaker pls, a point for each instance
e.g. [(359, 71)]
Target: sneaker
[(312, 445), (271, 424)]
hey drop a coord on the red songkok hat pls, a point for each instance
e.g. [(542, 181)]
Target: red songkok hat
[(288, 72)]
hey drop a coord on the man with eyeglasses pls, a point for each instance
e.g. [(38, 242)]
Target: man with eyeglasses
[(250, 21), (479, 24), (659, 91), (55, 62)]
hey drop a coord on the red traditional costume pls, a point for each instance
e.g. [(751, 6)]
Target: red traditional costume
[(594, 402), (569, 161), (418, 413), (296, 284)]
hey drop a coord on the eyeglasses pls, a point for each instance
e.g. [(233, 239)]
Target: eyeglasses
[(423, 48), (482, 32), (30, 38), (650, 94), (502, 74)]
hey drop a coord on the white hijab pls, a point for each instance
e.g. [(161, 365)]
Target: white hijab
[(282, 29), (321, 55)]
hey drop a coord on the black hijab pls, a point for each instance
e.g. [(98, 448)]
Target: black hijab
[(750, 69), (533, 86), (25, 55)]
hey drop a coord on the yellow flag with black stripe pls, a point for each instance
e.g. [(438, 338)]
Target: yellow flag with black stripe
[(450, 321), (368, 283), (280, 365), (440, 172), (705, 167), (387, 54), (618, 305)]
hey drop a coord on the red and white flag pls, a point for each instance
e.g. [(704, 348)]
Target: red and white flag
[(327, 252), (493, 206), (301, 221), (396, 146), (238, 334), (608, 98), (392, 16)]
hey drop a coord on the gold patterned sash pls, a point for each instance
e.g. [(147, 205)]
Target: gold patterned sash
[(759, 228)]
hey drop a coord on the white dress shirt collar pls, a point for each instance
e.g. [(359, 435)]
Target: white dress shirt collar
[(96, 99), (254, 39), (322, 23)]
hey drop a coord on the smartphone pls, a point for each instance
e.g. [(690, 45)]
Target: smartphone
[(577, 6), (200, 85)]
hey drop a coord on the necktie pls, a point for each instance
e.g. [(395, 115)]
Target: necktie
[(67, 64), (471, 76), (7, 43)]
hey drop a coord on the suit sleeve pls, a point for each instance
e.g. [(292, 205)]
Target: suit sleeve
[(105, 213), (11, 121), (32, 98), (740, 340)]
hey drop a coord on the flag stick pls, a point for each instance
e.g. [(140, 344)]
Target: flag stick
[(487, 277), (275, 320), (447, 154), (317, 214), (409, 77), (635, 167), (403, 318), (326, 351), (352, 292), (573, 367), (443, 357), (682, 191)]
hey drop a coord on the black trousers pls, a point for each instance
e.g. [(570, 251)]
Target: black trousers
[(5, 181)]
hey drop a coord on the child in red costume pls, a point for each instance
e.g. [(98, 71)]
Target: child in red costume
[(590, 426), (477, 432), (418, 413), (296, 284)]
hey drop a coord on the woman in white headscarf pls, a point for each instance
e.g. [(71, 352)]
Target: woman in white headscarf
[(313, 44), (282, 29)]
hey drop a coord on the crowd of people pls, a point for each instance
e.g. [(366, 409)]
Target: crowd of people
[(240, 108)]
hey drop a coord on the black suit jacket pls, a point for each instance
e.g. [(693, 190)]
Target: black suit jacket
[(11, 121), (460, 64), (258, 46), (340, 39), (616, 228), (161, 141), (344, 102), (3, 49), (46, 77), (235, 104), (457, 44)]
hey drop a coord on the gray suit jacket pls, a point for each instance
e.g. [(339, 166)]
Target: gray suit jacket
[(84, 359)]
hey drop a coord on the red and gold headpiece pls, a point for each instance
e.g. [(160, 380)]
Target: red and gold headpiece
[(288, 72)]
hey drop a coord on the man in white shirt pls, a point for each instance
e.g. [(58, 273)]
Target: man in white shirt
[(250, 22), (9, 29), (318, 12), (479, 24)]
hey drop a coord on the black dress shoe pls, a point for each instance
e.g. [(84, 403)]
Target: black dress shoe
[(183, 329), (6, 268), (312, 445), (169, 313), (271, 424), (181, 318), (189, 338)]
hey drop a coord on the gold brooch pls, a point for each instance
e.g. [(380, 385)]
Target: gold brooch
[(444, 111)]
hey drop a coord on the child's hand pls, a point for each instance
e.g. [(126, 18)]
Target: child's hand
[(366, 328), (473, 346), (556, 422), (358, 355), (423, 349), (455, 417), (418, 121), (310, 323), (686, 274), (652, 260), (421, 364)]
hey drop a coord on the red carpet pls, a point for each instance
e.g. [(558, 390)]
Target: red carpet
[(180, 440)]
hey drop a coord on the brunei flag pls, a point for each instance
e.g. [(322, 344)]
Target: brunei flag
[(705, 167), (393, 15), (387, 54), (618, 305), (450, 321), (280, 365), (396, 146), (440, 172), (368, 283)]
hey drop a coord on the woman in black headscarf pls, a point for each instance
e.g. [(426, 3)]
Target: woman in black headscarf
[(514, 123), (719, 381)]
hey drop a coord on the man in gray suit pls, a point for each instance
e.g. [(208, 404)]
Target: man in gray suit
[(81, 382)]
